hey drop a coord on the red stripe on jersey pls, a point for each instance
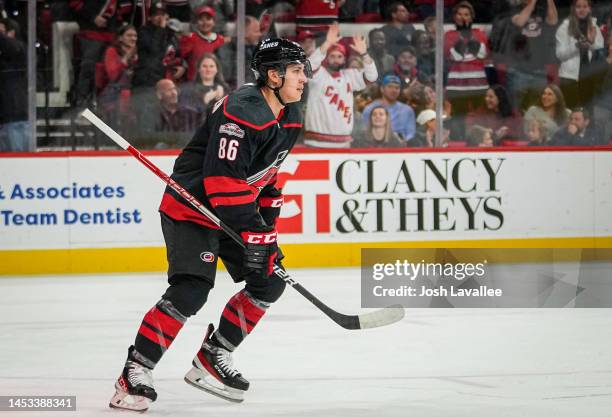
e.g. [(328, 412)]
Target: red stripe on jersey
[(231, 200), (154, 337), (163, 322), (220, 184), (244, 122), (298, 125), (241, 302), (235, 320), (177, 211)]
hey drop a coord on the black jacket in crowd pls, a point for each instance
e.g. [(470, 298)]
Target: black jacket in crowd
[(592, 137), (13, 80), (156, 46)]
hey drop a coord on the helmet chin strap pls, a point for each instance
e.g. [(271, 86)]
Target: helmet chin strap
[(277, 91)]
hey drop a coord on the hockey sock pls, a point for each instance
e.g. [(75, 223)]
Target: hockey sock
[(240, 316), (159, 327)]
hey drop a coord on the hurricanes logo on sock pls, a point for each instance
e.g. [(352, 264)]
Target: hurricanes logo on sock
[(207, 257)]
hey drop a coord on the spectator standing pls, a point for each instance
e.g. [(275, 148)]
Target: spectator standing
[(118, 67), (316, 15), (580, 131), (202, 40), (227, 53), (158, 51), (98, 21), (523, 42), (378, 132), (465, 50), (208, 86), (329, 117), (498, 115), (384, 62), (426, 58), (578, 37), (551, 110), (226, 9), (398, 32), (603, 104), (402, 115), (14, 126)]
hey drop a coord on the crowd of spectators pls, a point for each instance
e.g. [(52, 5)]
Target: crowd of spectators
[(535, 72)]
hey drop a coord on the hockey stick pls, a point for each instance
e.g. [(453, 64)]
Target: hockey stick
[(377, 318)]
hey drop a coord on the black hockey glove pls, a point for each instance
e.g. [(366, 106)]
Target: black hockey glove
[(261, 251), (473, 46), (459, 47)]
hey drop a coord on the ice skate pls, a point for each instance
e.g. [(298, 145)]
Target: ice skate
[(134, 388), (213, 372)]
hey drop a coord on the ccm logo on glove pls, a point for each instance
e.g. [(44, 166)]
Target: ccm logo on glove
[(259, 238)]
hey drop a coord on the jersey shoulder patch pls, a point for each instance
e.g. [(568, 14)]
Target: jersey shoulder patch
[(231, 129)]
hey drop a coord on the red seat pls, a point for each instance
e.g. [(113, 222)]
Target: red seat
[(369, 18), (457, 144), (507, 142)]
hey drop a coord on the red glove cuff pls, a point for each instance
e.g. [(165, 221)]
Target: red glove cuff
[(275, 202), (261, 238)]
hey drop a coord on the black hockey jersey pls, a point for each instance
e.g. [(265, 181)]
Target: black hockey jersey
[(230, 165)]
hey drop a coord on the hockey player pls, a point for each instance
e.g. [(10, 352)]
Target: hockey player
[(230, 165)]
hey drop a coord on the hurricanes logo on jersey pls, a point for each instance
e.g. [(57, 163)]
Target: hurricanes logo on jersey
[(207, 257)]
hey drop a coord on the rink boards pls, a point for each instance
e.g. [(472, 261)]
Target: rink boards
[(97, 212)]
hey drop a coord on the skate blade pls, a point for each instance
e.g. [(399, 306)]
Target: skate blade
[(204, 381), (124, 401)]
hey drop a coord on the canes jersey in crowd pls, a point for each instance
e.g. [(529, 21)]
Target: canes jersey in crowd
[(329, 116), (230, 165)]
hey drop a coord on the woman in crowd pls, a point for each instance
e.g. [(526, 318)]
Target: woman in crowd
[(378, 133), (551, 110), (498, 115), (114, 78), (425, 136), (208, 85), (578, 37)]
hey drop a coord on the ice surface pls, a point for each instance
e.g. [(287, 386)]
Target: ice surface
[(68, 335)]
